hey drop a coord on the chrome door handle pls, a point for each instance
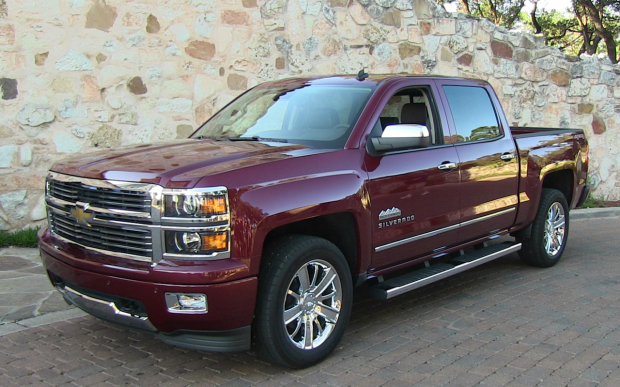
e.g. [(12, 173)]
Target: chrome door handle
[(447, 166), (508, 156)]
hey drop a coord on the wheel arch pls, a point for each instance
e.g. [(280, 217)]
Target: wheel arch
[(562, 180), (340, 228)]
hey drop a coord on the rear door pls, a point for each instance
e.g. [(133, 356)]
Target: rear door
[(487, 156), (414, 193)]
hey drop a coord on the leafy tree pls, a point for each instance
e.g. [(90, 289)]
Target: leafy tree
[(501, 12)]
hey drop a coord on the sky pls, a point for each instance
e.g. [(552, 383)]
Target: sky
[(559, 5)]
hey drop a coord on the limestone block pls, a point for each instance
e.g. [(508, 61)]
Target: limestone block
[(608, 108), (200, 50), (375, 11), (311, 44), (101, 16), (346, 26), (184, 130), (501, 49), (457, 44), (69, 109), (465, 28), (431, 43), (66, 143), (181, 33), (25, 154), (599, 92), (299, 62), (79, 132), (74, 61), (422, 9), (235, 17), (465, 59), (205, 24), (173, 50), (14, 204), (591, 71), (39, 59), (202, 113), (137, 40), (445, 26), (106, 136), (204, 87), (102, 115), (203, 5), (7, 154), (375, 33), (608, 78), (5, 132), (579, 87), (529, 72), (598, 125), (403, 5), (128, 118), (383, 52), (35, 115), (174, 105), (505, 69), (7, 34), (392, 17), (38, 212), (136, 86), (482, 62), (152, 24), (414, 35), (8, 88), (62, 85), (272, 8)]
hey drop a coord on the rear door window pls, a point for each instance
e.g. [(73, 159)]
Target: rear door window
[(473, 113)]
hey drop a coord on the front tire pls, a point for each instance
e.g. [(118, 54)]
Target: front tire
[(304, 301), (545, 246)]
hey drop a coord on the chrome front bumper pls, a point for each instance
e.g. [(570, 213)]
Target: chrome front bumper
[(104, 310)]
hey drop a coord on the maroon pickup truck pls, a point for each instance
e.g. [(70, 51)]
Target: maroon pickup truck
[(256, 229)]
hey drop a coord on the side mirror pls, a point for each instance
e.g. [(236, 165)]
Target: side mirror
[(401, 137)]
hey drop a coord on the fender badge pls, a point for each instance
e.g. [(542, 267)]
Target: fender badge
[(391, 213)]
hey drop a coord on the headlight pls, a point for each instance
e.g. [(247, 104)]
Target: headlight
[(196, 242), (195, 205)]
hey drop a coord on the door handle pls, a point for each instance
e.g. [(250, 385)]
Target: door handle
[(508, 156), (447, 165)]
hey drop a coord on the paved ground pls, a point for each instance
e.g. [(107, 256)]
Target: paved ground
[(503, 323)]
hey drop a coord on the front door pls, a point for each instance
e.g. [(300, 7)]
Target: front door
[(415, 192)]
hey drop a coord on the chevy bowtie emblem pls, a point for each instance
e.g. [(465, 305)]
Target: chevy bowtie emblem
[(81, 216)]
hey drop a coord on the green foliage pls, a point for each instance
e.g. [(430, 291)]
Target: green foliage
[(593, 202), (22, 238)]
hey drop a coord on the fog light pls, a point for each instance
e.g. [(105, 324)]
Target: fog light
[(186, 302)]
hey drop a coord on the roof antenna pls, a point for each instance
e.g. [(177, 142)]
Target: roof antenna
[(361, 75)]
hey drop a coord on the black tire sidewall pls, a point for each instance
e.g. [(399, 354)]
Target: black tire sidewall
[(534, 249), (285, 262)]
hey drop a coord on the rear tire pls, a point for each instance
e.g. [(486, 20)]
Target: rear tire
[(546, 244), (304, 301)]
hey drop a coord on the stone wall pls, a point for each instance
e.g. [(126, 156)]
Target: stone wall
[(82, 74)]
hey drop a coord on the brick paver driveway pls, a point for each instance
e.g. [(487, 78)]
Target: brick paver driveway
[(501, 324)]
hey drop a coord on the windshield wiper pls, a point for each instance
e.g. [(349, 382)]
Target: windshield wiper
[(258, 139)]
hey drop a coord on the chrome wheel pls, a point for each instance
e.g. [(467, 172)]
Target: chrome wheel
[(555, 228), (312, 304)]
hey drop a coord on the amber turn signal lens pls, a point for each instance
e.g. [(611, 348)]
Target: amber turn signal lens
[(213, 206), (215, 242)]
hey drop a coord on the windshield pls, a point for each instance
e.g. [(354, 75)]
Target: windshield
[(317, 116)]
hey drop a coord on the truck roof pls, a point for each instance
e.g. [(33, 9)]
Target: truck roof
[(349, 79)]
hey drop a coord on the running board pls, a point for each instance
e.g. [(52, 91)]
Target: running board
[(416, 279)]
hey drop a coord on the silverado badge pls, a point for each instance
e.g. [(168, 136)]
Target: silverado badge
[(391, 213)]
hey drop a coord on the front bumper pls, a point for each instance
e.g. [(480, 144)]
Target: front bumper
[(141, 305)]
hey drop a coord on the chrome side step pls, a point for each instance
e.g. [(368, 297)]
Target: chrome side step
[(416, 279)]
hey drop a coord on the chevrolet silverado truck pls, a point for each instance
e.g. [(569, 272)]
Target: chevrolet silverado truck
[(256, 229)]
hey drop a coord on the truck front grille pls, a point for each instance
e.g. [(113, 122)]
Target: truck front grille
[(120, 240), (108, 198), (111, 217)]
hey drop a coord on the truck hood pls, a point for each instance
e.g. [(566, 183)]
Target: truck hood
[(179, 163)]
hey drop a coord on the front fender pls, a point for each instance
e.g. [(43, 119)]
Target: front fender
[(259, 209)]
